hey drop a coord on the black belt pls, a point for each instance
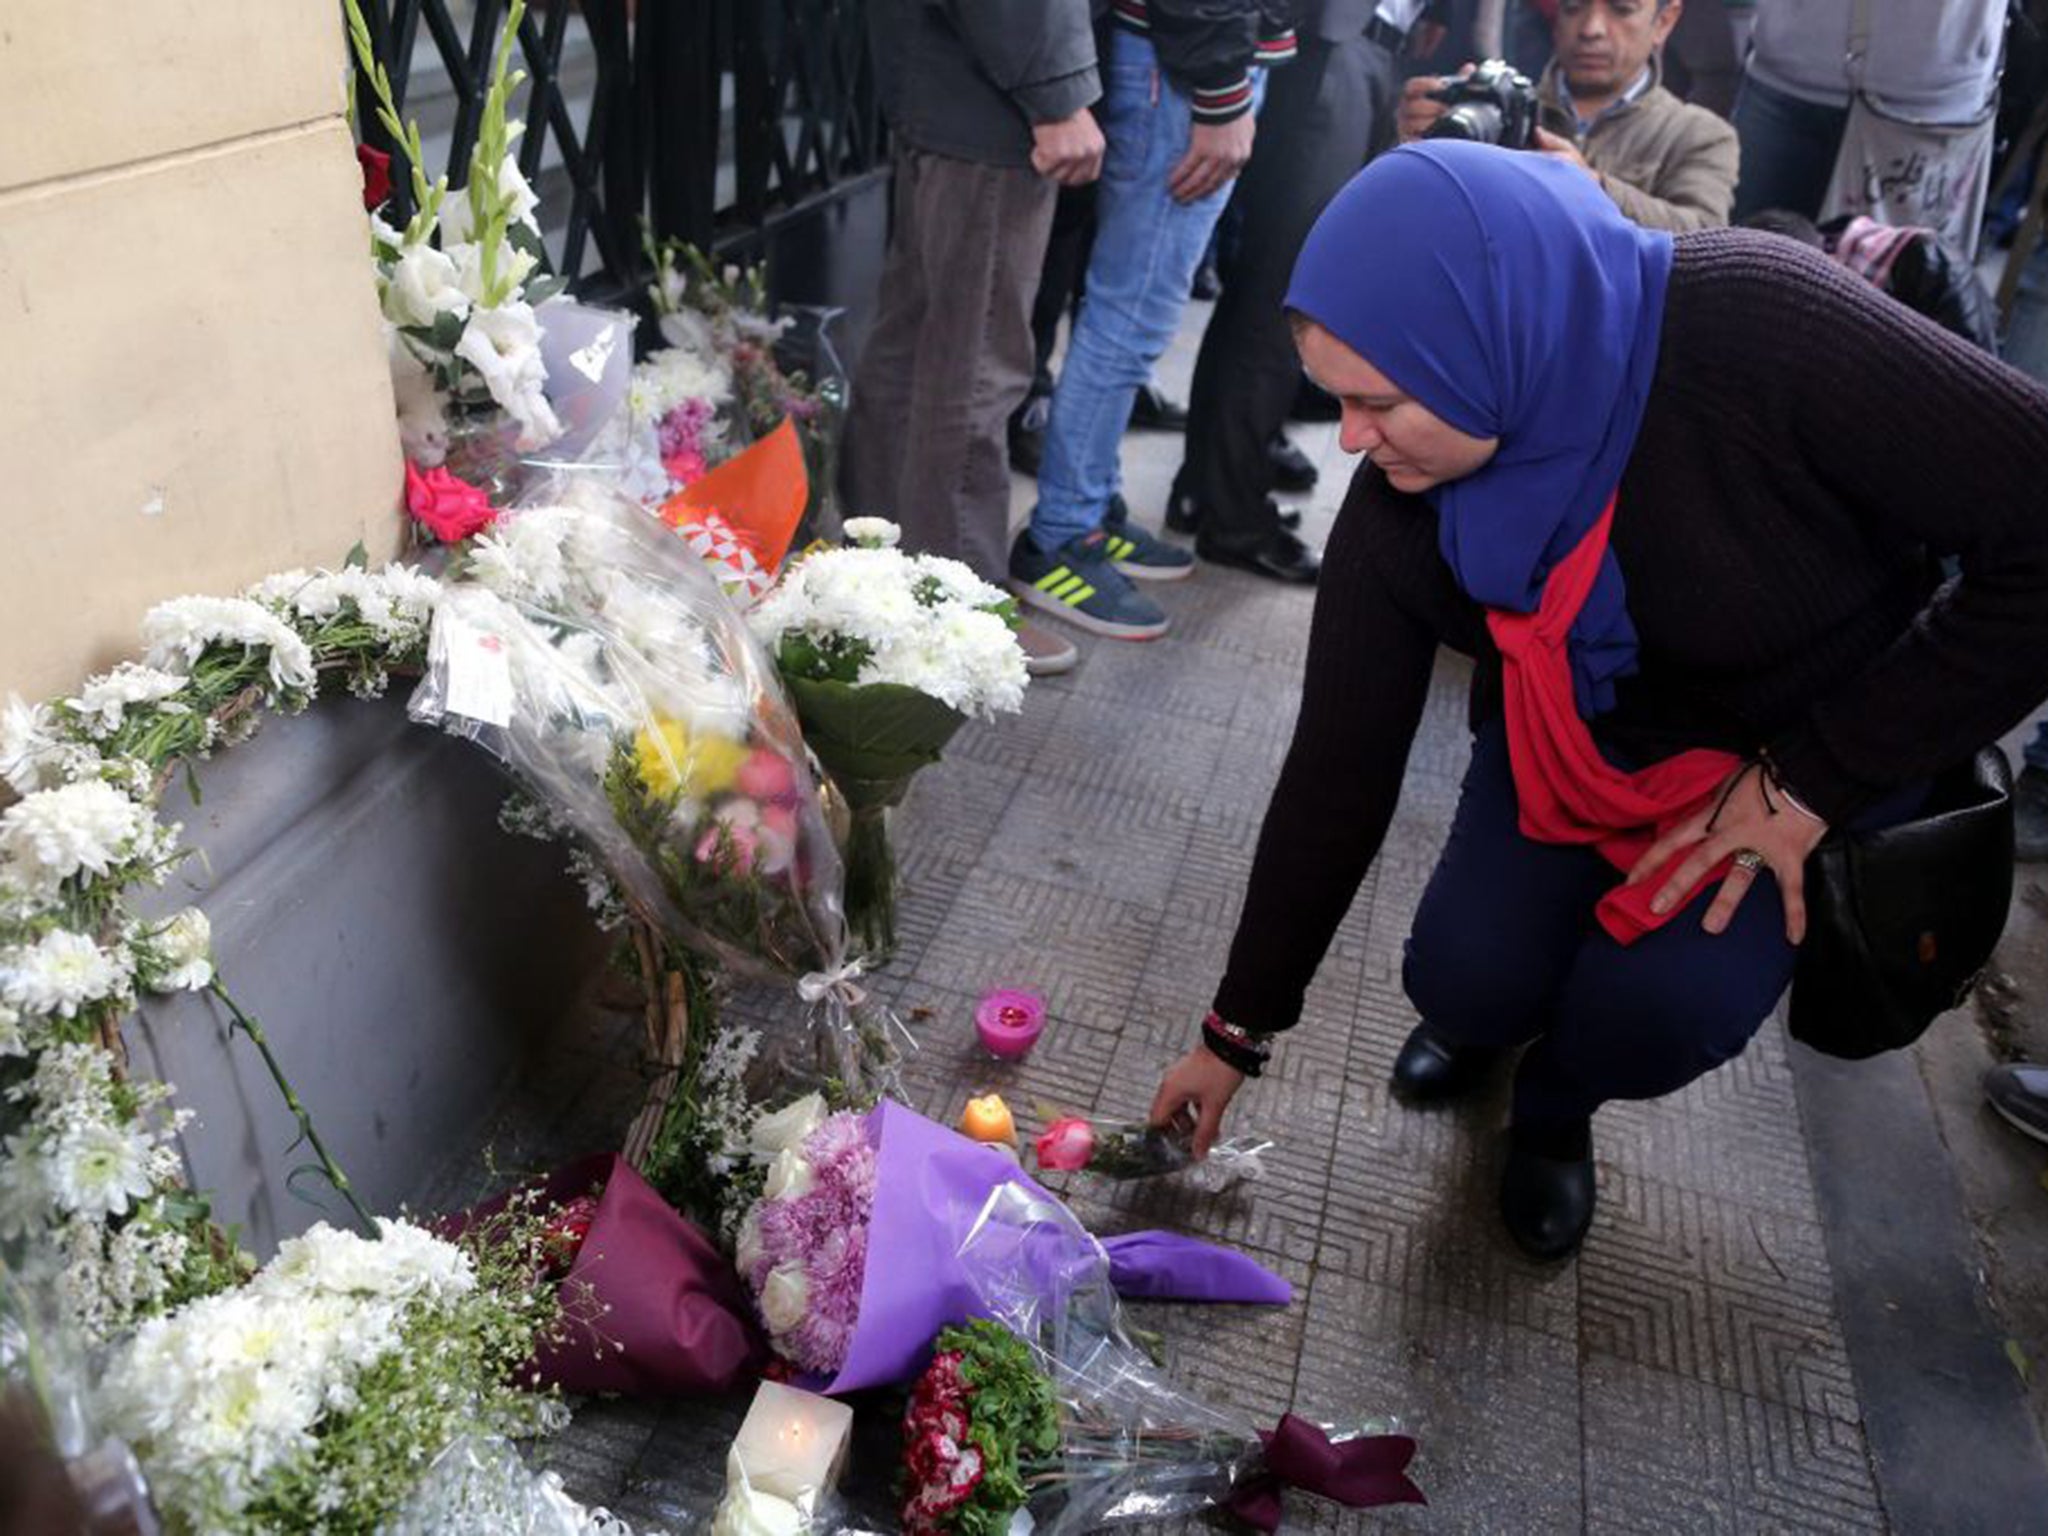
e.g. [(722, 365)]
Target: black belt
[(1386, 34)]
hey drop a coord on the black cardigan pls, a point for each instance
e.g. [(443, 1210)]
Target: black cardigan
[(1810, 449)]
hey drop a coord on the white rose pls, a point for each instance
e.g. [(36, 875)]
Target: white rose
[(785, 1130), (785, 1298), (789, 1176), (423, 287), (749, 1512), (746, 1247)]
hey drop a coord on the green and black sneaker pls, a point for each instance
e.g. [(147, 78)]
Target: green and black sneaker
[(1138, 554), (1079, 583)]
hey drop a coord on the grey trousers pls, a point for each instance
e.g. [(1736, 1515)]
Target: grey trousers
[(949, 357)]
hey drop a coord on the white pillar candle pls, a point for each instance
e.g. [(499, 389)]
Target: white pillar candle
[(793, 1443)]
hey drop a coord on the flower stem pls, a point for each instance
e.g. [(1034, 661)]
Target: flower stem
[(328, 1167)]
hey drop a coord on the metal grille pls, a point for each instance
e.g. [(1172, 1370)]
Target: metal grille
[(717, 119)]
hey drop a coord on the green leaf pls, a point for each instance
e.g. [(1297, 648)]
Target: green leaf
[(874, 733), (2018, 1357), (357, 559)]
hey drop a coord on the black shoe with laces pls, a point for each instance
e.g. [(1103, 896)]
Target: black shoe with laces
[(1184, 513)]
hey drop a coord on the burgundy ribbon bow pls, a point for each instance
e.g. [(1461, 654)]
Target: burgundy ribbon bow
[(1359, 1473)]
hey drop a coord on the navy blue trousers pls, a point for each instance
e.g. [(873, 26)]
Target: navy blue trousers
[(1506, 952)]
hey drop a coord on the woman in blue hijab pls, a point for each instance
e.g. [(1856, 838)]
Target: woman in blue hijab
[(1678, 498)]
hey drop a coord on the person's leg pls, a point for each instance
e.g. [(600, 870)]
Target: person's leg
[(2030, 799), (1146, 248), (980, 237), (1788, 150), (1502, 919), (871, 463), (1317, 129)]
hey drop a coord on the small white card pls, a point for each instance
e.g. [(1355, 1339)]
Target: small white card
[(477, 669)]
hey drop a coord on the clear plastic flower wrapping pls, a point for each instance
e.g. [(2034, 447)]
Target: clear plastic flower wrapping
[(585, 646), (1134, 1446)]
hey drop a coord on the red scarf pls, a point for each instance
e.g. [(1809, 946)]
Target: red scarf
[(1568, 792)]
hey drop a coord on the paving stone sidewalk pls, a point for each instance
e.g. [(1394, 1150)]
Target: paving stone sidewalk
[(1687, 1372)]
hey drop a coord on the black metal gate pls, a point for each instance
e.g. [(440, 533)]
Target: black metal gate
[(723, 122)]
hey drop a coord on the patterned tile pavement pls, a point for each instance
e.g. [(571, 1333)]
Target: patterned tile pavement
[(1688, 1372)]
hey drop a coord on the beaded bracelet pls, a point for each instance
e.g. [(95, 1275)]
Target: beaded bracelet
[(1236, 1046)]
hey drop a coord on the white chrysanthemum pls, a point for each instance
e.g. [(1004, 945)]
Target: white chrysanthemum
[(32, 755), (873, 532), (503, 345), (84, 828), (403, 1263), (678, 374), (97, 1169), (178, 957), (521, 559), (13, 1040), (959, 583), (179, 632), (61, 973), (105, 699)]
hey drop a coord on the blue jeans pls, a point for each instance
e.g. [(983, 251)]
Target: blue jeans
[(2035, 752), (1788, 150), (1147, 247), (2026, 340)]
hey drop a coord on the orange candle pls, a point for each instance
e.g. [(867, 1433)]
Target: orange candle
[(988, 1119)]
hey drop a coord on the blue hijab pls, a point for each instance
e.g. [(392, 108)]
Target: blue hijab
[(1504, 291)]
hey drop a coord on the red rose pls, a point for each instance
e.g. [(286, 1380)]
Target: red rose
[(563, 1236), (376, 176), (1066, 1145), (449, 508)]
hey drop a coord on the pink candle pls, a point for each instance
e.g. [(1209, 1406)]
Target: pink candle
[(1009, 1021)]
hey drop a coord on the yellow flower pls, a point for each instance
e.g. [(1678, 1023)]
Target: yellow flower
[(672, 761)]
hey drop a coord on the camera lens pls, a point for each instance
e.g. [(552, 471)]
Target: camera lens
[(1477, 121)]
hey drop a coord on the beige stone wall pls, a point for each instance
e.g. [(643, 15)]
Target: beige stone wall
[(192, 381)]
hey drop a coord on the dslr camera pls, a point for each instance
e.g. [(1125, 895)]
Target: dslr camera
[(1495, 104)]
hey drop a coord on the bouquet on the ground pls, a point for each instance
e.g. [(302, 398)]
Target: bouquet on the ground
[(886, 656), (1136, 1150), (846, 1188), (596, 656), (1128, 1445), (311, 1398)]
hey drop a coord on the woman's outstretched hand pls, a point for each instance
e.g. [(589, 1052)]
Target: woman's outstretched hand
[(1200, 1087), (1745, 813)]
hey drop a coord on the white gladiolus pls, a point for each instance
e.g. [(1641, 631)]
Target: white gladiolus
[(422, 288), (785, 1298), (503, 345), (785, 1130)]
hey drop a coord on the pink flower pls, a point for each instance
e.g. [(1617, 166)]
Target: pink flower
[(685, 468), (450, 508), (728, 848), (1066, 1145), (766, 776)]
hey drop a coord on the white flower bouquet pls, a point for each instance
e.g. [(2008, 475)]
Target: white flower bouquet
[(886, 656), (312, 1398), (460, 285)]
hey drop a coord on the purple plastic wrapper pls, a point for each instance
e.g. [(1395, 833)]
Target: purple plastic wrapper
[(932, 1187)]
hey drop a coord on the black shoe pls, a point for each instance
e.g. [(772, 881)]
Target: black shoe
[(1547, 1200), (1208, 282), (1313, 403), (1281, 556), (1153, 412), (1184, 513), (1431, 1070), (2020, 1094), (1292, 470), (2030, 815)]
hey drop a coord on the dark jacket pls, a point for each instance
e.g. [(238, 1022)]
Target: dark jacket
[(1206, 47), (969, 78)]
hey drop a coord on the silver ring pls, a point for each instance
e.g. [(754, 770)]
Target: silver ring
[(1749, 859)]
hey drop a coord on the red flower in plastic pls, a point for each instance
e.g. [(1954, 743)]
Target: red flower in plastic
[(448, 507), (1066, 1145), (565, 1232), (376, 176)]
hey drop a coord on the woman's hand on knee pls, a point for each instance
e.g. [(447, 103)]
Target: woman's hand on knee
[(1199, 1087), (1744, 816)]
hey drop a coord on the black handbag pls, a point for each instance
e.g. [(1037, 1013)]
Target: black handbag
[(1901, 922)]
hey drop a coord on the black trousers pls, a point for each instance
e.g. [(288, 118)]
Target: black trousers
[(1325, 115)]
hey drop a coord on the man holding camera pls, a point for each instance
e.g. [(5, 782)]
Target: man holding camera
[(1602, 107)]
